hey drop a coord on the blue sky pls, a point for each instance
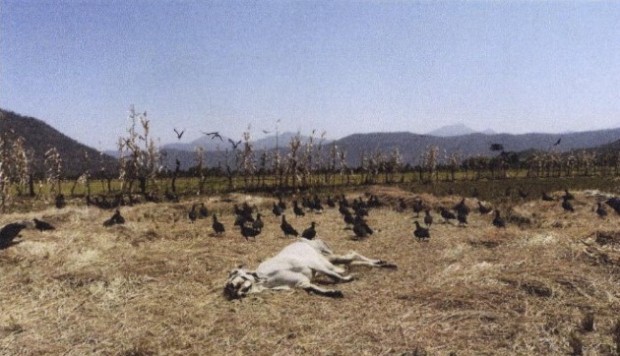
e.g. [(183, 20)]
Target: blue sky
[(342, 67)]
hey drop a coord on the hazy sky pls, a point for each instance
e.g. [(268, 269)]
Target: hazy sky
[(342, 67)]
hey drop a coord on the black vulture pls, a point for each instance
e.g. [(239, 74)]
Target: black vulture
[(297, 209), (42, 225), (428, 218), (192, 214), (8, 233), (446, 215), (258, 223), (218, 227), (566, 205), (498, 221), (484, 209), (203, 212), (600, 210), (420, 232), (117, 218), (309, 233), (287, 228)]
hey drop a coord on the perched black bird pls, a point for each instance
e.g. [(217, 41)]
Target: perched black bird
[(614, 203), (420, 232), (8, 233), (348, 218), (258, 223), (462, 218), (60, 201), (240, 220), (498, 221), (42, 225), (461, 208), (117, 218), (418, 206), (237, 210), (192, 214), (287, 228), (547, 197), (402, 205), (249, 231), (600, 210), (217, 226), (360, 227), (309, 233), (343, 209), (566, 205), (360, 231), (277, 210), (483, 209), (428, 218), (343, 201), (297, 209), (316, 205), (446, 215), (281, 204), (203, 212), (373, 202), (330, 202)]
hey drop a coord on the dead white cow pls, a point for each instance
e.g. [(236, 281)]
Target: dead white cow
[(295, 267)]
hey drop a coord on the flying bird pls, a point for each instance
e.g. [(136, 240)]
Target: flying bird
[(213, 135), (558, 141), (234, 144), (179, 134), (266, 132)]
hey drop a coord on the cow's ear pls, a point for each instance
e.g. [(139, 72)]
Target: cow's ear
[(255, 275)]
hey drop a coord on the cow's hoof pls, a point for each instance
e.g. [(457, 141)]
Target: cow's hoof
[(384, 264), (335, 294)]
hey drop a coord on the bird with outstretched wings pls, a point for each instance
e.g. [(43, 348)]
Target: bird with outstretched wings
[(234, 144), (558, 141), (213, 135), (179, 134)]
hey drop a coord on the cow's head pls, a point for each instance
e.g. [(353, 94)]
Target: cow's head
[(239, 283)]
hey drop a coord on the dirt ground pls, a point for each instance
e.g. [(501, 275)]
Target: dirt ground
[(154, 285)]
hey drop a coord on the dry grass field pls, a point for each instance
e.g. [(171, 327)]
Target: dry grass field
[(154, 285)]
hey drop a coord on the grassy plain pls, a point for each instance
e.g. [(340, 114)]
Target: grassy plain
[(154, 285)]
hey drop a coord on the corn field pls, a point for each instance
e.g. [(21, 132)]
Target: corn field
[(301, 164)]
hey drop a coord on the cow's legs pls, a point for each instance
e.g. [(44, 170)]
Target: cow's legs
[(313, 288), (354, 258)]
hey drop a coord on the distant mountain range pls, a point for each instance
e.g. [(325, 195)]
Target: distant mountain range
[(40, 137), (411, 146), (452, 130)]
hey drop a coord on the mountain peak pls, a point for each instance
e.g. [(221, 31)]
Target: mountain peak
[(452, 130)]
